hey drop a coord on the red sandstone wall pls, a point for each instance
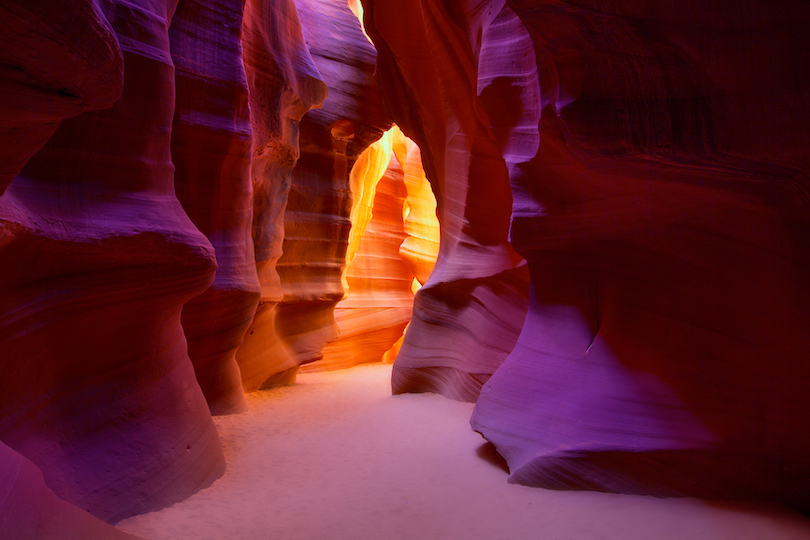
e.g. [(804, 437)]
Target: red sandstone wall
[(211, 139), (99, 258), (467, 316), (283, 84), (661, 204)]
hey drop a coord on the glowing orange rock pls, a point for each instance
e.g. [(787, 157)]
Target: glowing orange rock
[(316, 218), (421, 247), (378, 299), (284, 84)]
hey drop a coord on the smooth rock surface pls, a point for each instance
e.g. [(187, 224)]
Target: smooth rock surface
[(211, 154), (98, 260), (661, 203), (467, 316), (283, 85), (379, 299)]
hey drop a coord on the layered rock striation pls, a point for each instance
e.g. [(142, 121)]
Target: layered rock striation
[(468, 314), (378, 283), (298, 319), (211, 143), (283, 85), (661, 203), (99, 258)]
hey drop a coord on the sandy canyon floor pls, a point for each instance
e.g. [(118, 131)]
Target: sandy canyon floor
[(336, 457)]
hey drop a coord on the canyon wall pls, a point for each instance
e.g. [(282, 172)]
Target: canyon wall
[(151, 152), (620, 279), (303, 252), (98, 260), (657, 169), (467, 316), (211, 140)]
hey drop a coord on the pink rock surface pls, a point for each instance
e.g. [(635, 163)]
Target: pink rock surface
[(28, 509), (661, 205), (211, 154), (467, 317), (51, 70), (283, 84), (99, 258)]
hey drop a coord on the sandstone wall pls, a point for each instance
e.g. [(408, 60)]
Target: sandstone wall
[(98, 259), (660, 201)]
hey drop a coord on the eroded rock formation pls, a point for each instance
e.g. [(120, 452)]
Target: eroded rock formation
[(661, 202), (211, 154), (467, 316), (283, 85), (298, 319), (98, 259), (633, 174), (377, 279), (30, 510), (50, 71)]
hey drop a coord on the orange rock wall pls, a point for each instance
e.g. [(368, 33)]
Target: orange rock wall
[(378, 301), (299, 321), (283, 85)]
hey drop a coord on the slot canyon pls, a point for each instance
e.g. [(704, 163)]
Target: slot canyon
[(573, 234)]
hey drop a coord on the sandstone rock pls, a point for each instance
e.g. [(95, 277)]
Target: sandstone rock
[(30, 510), (378, 302), (467, 316), (283, 84), (316, 219), (211, 155), (59, 58), (420, 248), (99, 258), (664, 219)]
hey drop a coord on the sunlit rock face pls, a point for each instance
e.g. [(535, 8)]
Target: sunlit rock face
[(283, 85), (316, 224), (98, 259), (211, 155), (467, 317), (378, 299), (420, 248), (660, 200)]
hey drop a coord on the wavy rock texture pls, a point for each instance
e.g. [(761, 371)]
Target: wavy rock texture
[(211, 154), (283, 85), (379, 299), (420, 248), (59, 59), (99, 392), (664, 218), (316, 217), (467, 317), (30, 510)]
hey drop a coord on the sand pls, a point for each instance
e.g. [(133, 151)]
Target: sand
[(336, 457)]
